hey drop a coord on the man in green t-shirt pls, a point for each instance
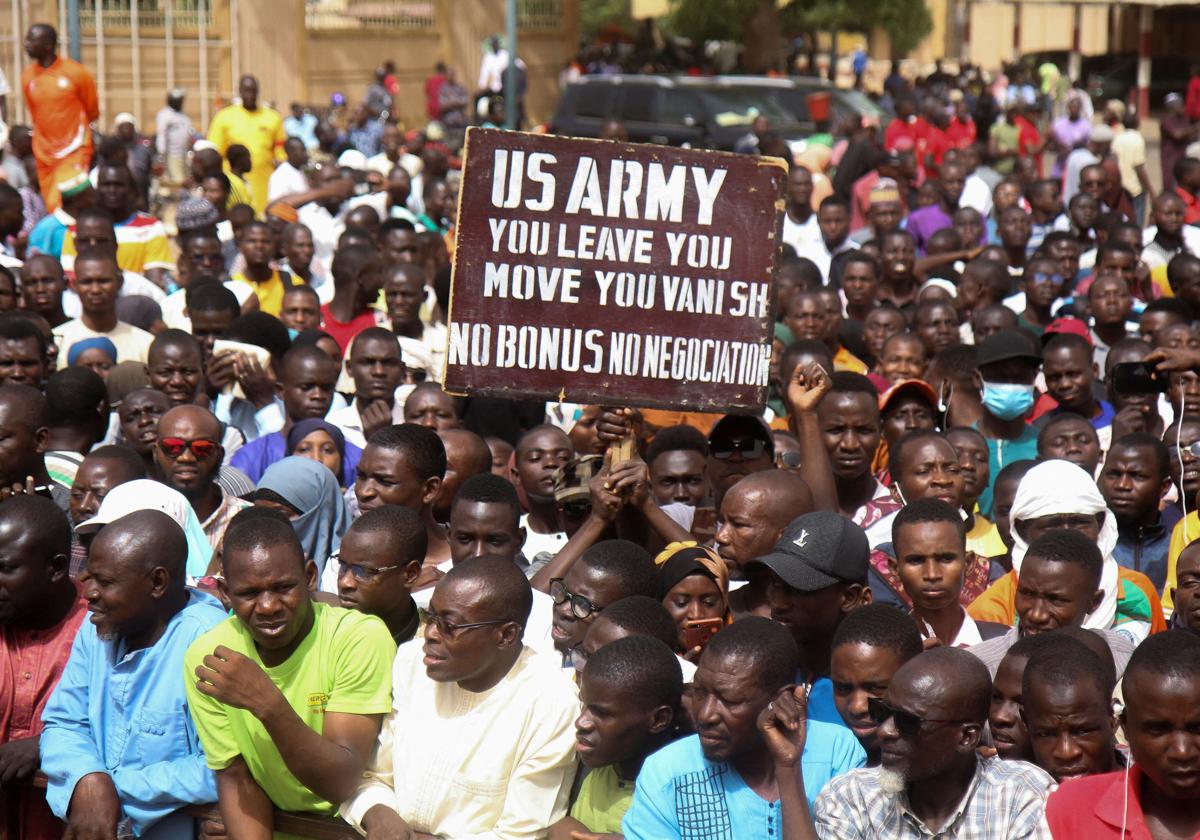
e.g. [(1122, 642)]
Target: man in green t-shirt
[(630, 690), (288, 694)]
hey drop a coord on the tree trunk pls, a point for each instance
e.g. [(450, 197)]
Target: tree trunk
[(761, 39)]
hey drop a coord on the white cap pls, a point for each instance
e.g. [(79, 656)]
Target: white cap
[(416, 356), (124, 117), (133, 496), (352, 159)]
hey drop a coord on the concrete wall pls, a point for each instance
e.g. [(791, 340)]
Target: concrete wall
[(343, 60), (1043, 27)]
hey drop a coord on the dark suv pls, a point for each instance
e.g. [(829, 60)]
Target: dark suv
[(669, 110), (704, 112)]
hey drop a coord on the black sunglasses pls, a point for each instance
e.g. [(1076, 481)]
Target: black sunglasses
[(907, 723), (747, 447)]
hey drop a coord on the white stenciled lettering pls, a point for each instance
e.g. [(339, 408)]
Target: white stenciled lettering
[(509, 171), (604, 279), (497, 226), (664, 195), (585, 189), (707, 187)]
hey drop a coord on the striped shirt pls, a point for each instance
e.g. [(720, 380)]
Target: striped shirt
[(141, 245), (1006, 800)]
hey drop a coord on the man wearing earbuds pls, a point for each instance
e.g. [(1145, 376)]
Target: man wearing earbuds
[(1157, 797)]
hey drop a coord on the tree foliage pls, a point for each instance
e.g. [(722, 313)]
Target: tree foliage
[(906, 22), (597, 15)]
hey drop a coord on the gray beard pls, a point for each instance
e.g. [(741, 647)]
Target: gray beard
[(891, 782), (108, 637)]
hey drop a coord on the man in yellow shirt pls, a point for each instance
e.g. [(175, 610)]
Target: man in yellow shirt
[(269, 283), (259, 129)]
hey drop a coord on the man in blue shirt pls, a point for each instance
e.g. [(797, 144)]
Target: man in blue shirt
[(119, 749), (818, 575), (720, 783)]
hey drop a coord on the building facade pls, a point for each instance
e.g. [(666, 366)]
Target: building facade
[(300, 50)]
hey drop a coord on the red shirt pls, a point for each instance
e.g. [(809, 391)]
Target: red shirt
[(937, 143), (1029, 141), (961, 134), (344, 333), (901, 135), (1191, 206), (31, 664), (433, 87), (1192, 104), (1092, 808)]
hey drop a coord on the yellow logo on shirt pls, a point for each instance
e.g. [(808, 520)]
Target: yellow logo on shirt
[(318, 701)]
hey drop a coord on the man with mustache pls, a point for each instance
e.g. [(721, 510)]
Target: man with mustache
[(722, 782), (931, 780)]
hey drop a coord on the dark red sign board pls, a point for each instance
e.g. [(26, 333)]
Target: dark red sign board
[(613, 273)]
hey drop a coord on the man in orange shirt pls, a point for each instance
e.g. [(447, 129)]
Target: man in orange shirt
[(62, 101)]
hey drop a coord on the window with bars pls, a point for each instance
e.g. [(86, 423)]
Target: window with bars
[(540, 14), (150, 14), (373, 14)]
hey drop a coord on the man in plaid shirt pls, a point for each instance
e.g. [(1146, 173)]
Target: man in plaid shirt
[(932, 783)]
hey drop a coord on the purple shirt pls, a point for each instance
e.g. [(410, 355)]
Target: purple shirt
[(1070, 135), (925, 222)]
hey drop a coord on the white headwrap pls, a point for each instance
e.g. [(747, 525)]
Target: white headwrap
[(1056, 487)]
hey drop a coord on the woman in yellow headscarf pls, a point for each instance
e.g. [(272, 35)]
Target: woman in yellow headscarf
[(695, 585)]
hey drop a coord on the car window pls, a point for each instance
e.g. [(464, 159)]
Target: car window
[(793, 100), (637, 103), (739, 106), (677, 105), (593, 101)]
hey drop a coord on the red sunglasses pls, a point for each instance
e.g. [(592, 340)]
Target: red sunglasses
[(173, 447)]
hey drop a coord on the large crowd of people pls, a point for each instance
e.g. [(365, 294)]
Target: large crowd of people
[(253, 556)]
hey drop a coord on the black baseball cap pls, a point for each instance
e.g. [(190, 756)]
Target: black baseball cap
[(742, 424), (817, 550), (1006, 345)]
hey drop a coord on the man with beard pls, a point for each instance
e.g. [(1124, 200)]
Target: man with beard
[(722, 782), (931, 780)]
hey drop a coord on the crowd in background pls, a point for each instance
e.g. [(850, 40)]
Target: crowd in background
[(252, 555)]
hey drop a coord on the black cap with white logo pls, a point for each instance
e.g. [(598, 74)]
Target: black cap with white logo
[(817, 550)]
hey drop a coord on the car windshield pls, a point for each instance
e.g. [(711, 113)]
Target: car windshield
[(740, 106), (858, 102)]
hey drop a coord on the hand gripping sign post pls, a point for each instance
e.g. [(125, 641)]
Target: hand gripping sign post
[(613, 273)]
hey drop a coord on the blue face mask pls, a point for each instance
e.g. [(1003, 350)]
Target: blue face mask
[(1007, 401)]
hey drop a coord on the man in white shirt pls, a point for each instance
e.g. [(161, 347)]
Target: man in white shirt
[(404, 291), (492, 67), (833, 239), (480, 740), (377, 370), (98, 281), (800, 226), (931, 562), (289, 177)]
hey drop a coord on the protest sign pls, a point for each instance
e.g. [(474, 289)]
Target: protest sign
[(613, 273)]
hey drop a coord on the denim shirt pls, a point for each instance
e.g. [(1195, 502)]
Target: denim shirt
[(125, 714)]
